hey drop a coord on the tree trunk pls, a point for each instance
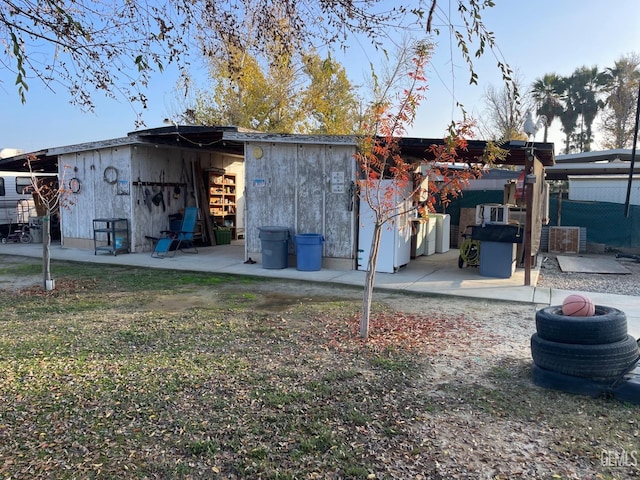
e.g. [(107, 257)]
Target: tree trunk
[(48, 283), (369, 280)]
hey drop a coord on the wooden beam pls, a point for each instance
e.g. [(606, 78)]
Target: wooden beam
[(203, 194), (528, 229)]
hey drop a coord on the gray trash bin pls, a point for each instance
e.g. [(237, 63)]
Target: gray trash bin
[(36, 234), (275, 247), (35, 229)]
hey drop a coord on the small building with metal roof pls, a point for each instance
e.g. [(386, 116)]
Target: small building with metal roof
[(302, 182)]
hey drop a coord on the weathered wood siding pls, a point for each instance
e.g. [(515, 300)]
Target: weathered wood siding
[(143, 171), (96, 198), (304, 187)]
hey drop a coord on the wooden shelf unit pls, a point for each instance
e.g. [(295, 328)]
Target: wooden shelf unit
[(223, 200)]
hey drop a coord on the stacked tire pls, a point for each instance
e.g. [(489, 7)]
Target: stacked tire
[(596, 348)]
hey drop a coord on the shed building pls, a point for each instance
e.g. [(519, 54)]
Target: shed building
[(302, 182)]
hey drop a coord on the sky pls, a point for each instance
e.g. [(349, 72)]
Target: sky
[(533, 37)]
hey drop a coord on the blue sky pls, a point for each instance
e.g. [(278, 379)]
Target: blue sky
[(534, 37)]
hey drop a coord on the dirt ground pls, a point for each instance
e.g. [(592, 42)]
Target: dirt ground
[(469, 384)]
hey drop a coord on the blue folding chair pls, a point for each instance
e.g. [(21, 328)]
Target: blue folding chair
[(182, 239)]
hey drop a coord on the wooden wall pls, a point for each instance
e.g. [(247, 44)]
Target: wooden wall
[(142, 171), (304, 187)]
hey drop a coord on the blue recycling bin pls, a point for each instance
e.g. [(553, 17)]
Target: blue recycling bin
[(275, 247), (309, 251)]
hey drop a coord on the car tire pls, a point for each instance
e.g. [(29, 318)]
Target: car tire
[(608, 325), (597, 362)]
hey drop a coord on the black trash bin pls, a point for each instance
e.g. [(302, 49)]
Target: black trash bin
[(275, 247)]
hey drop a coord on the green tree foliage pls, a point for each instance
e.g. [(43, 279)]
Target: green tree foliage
[(546, 93), (107, 46), (621, 84), (588, 94), (114, 47), (244, 95), (329, 100), (586, 87), (569, 114), (307, 94)]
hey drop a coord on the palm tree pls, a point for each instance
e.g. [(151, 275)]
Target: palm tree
[(621, 90), (546, 93), (568, 115), (586, 89)]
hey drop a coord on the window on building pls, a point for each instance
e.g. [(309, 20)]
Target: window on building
[(23, 185)]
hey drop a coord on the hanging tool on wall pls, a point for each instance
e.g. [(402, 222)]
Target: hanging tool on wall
[(168, 190), (352, 195), (186, 179), (147, 198), (158, 198), (140, 192)]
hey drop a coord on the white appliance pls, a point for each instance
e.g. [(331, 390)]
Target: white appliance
[(395, 238), (430, 236), (492, 214), (443, 231)]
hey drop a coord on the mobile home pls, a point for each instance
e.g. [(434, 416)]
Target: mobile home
[(17, 205)]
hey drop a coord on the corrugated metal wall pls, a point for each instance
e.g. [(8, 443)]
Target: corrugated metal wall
[(604, 189)]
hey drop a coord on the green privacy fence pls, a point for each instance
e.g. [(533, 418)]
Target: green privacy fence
[(604, 222)]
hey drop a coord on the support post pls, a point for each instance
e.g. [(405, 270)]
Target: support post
[(528, 192)]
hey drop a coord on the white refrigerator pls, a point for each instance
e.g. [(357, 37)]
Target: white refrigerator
[(395, 238)]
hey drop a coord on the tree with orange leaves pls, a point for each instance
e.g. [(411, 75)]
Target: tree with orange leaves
[(379, 158)]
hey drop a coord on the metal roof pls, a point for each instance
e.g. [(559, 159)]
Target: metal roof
[(597, 156), (232, 140), (517, 150), (604, 162)]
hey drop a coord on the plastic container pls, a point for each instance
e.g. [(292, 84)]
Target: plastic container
[(223, 237), (275, 247), (497, 259), (309, 251), (36, 234)]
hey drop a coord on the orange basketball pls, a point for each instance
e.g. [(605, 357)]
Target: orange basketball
[(578, 305)]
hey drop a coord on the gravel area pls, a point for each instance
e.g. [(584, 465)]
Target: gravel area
[(552, 276)]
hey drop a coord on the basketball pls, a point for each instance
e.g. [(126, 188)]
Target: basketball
[(578, 305)]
